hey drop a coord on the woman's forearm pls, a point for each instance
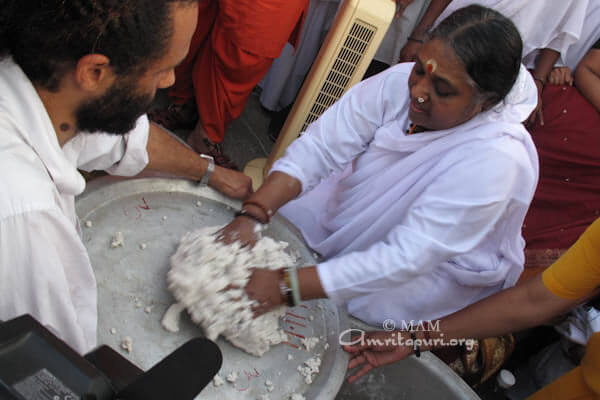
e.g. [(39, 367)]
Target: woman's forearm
[(276, 191)]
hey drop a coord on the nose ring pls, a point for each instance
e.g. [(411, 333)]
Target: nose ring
[(420, 100)]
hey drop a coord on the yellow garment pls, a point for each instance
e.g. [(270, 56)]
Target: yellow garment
[(573, 276), (577, 272)]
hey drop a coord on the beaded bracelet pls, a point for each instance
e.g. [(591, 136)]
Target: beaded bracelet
[(261, 207), (245, 213)]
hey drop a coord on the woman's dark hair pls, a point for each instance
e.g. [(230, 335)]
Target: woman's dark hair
[(488, 44), (46, 38)]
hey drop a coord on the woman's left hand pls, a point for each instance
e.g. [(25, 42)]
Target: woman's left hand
[(263, 287), (376, 349)]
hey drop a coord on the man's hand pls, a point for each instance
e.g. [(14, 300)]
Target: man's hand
[(560, 76), (376, 349), (231, 183)]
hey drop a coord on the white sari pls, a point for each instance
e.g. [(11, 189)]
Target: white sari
[(419, 226)]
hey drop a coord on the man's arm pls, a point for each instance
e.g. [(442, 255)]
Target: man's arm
[(587, 77), (169, 155)]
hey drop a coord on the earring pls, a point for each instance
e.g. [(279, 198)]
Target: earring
[(420, 100)]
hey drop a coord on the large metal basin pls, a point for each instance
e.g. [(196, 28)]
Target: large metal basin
[(414, 378)]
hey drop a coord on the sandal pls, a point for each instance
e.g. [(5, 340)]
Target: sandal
[(215, 150), (481, 362), (176, 116)]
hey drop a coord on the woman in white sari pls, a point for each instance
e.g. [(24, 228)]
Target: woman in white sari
[(413, 187)]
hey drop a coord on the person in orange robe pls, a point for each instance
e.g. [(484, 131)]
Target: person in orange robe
[(233, 47)]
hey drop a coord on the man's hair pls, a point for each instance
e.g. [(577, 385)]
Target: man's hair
[(488, 44), (46, 38)]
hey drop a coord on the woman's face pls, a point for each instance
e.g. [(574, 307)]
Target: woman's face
[(441, 95)]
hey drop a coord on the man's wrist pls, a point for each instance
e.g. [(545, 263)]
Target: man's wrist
[(210, 168)]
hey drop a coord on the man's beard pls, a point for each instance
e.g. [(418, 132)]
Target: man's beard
[(116, 111)]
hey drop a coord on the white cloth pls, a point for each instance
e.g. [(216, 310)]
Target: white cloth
[(285, 77), (417, 226), (44, 267), (553, 24)]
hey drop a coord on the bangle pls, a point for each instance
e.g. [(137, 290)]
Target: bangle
[(244, 213), (416, 40), (261, 207), (284, 288), (292, 275), (209, 169)]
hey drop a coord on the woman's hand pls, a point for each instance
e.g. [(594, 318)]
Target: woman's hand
[(376, 349), (560, 76), (263, 287), (241, 229)]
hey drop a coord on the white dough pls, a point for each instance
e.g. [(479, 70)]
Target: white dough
[(198, 203), (88, 224), (148, 309), (202, 269), (296, 396), (310, 342), (290, 357), (164, 218), (310, 367), (264, 397), (170, 320), (143, 246), (127, 344), (218, 381), (113, 331), (232, 377), (117, 240)]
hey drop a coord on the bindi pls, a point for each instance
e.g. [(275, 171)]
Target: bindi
[(431, 65), (64, 127)]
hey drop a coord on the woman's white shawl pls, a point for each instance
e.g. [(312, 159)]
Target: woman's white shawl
[(413, 227)]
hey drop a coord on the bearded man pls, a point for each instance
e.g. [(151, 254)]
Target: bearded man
[(76, 79)]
